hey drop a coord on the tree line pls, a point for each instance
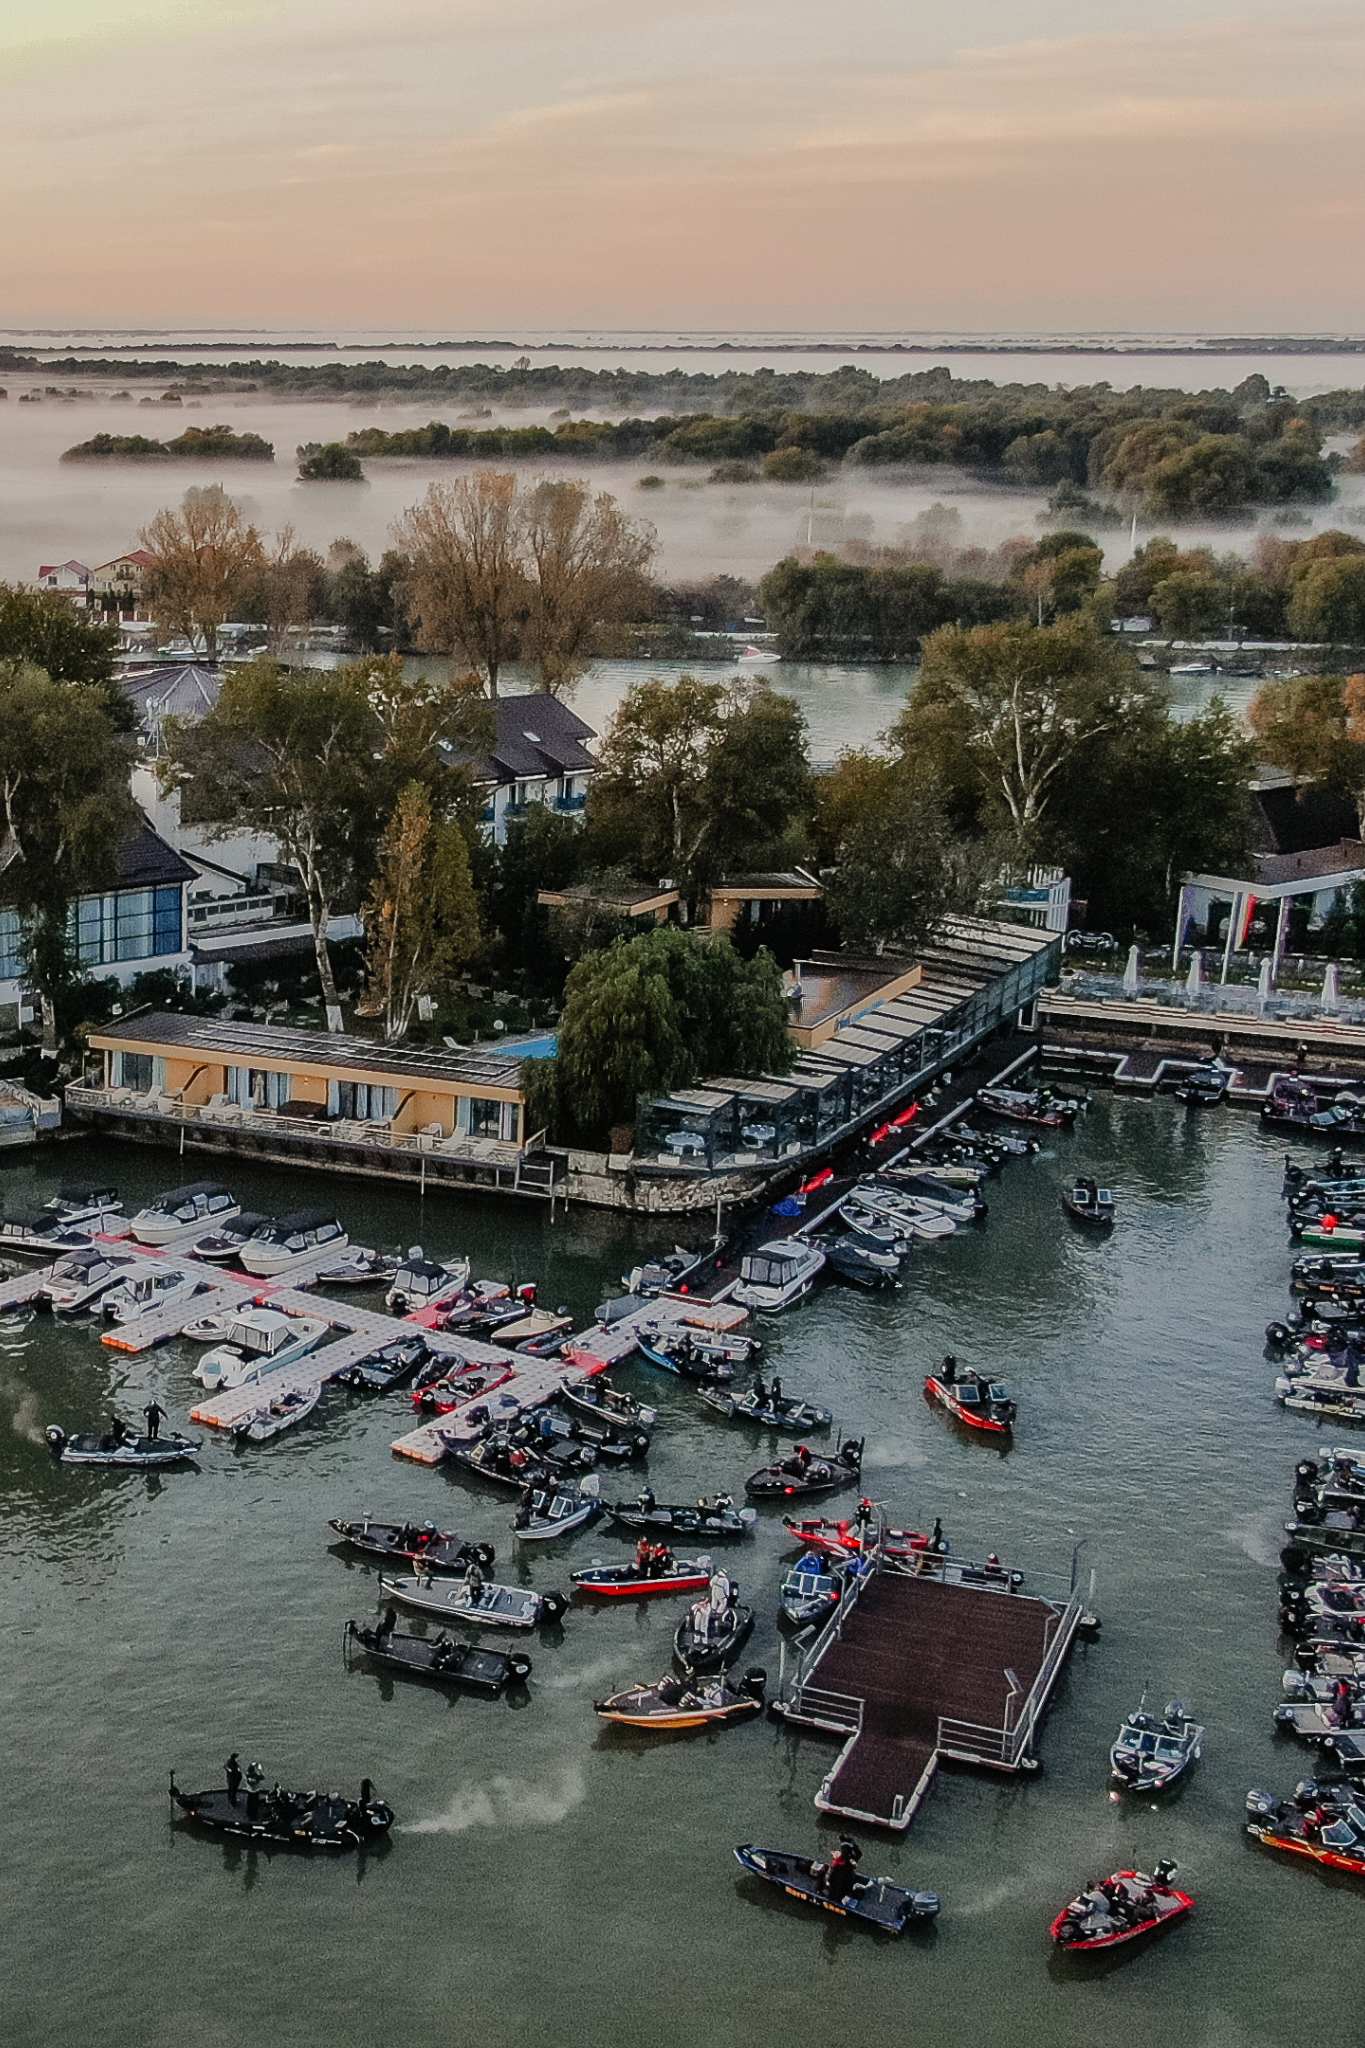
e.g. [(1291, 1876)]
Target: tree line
[(195, 444)]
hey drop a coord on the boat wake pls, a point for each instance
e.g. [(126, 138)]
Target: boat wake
[(20, 1404), (507, 1803), (584, 1677), (988, 1901), (1257, 1537)]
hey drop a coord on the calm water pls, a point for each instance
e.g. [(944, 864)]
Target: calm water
[(551, 1879)]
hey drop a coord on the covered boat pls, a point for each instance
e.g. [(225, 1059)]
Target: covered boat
[(778, 1275), (421, 1283), (1324, 1823), (1123, 1908), (435, 1550), (36, 1234), (259, 1341), (125, 1451), (714, 1630), (359, 1266), (628, 1579), (276, 1414), (684, 1702), (1085, 1201), (287, 1242), (718, 1520), (1151, 1754), (836, 1888), (92, 1202), (475, 1602), (81, 1278), (769, 1407), (143, 1291), (803, 1474), (971, 1397), (440, 1659), (549, 1511), (223, 1244), (860, 1265), (290, 1820)]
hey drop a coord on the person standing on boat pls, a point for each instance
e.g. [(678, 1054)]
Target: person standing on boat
[(644, 1558), (154, 1415), (775, 1392), (232, 1774), (473, 1579)]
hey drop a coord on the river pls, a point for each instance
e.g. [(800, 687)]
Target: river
[(549, 1878)]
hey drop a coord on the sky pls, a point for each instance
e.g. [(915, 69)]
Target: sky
[(474, 165)]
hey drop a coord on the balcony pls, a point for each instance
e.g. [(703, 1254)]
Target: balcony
[(572, 806)]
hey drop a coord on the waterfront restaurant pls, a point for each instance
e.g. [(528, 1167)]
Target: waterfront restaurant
[(260, 1088)]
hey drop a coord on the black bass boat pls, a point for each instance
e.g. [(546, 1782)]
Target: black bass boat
[(681, 1353), (786, 1413), (504, 1463), (606, 1403), (606, 1439), (289, 1820), (1030, 1106), (1151, 1754), (801, 1474), (392, 1365), (123, 1452), (441, 1659), (836, 1888), (1324, 1823), (718, 1520), (1125, 1907), (1203, 1087), (433, 1549), (713, 1631), (860, 1265), (1085, 1201), (689, 1702)]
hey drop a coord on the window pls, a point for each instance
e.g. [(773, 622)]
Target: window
[(134, 1070), (129, 924), (485, 1117), (11, 947)]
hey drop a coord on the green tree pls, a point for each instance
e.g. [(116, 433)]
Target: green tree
[(898, 866), (41, 628), (1327, 601), (1005, 709), (329, 462), (1189, 602), (1314, 728), (66, 816), (793, 466), (421, 919)]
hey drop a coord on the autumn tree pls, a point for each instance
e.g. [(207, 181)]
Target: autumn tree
[(465, 581), (67, 815), (1314, 728), (421, 918), (584, 564), (204, 557)]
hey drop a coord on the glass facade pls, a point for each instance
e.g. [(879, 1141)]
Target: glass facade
[(126, 924)]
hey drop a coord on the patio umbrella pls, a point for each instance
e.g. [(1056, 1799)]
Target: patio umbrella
[(1194, 980), (1130, 973), (1264, 982), (1331, 986)]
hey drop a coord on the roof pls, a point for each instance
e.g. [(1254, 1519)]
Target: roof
[(1347, 857), (142, 556), (239, 1041), (1289, 820), (52, 568), (786, 882), (147, 859), (632, 899), (182, 690), (533, 736)]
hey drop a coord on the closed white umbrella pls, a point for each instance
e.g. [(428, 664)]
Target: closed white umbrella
[(1194, 980), (1264, 983), (1130, 973), (1331, 986)]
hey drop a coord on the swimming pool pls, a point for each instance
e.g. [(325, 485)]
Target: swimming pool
[(541, 1047)]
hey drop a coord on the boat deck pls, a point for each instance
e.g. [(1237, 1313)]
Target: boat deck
[(22, 1288), (919, 1671)]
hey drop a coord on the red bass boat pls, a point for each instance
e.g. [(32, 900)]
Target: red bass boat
[(1124, 1908)]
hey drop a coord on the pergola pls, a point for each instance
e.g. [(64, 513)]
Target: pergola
[(1321, 871)]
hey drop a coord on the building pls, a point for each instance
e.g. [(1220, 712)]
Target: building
[(135, 927), (539, 755), (117, 585), (70, 579)]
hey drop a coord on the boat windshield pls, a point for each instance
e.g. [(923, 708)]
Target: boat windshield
[(969, 1396), (999, 1391), (769, 1272)]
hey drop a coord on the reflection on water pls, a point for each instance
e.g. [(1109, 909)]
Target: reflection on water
[(156, 1626)]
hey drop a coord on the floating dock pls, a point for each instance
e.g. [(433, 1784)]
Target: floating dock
[(914, 1667)]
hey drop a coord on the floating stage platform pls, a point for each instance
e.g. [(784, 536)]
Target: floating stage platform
[(916, 1667)]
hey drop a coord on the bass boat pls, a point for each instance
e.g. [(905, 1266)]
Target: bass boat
[(322, 1821), (1125, 1907), (970, 1397), (835, 1887), (424, 1545), (713, 1631), (475, 1602), (684, 1702), (802, 1474), (124, 1453), (718, 1520), (786, 1413), (631, 1581), (439, 1659), (1151, 1755)]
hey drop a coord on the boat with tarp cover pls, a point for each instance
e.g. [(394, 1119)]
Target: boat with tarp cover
[(835, 1887)]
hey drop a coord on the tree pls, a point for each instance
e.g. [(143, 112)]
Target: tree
[(329, 462), (464, 575), (1327, 601), (204, 558), (659, 1011), (1314, 728), (286, 591), (585, 565), (421, 919), (696, 776), (896, 862), (294, 757), (67, 814), (41, 628), (1189, 602), (1017, 703), (793, 466)]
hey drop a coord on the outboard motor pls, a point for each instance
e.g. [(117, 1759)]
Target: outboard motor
[(56, 1440), (755, 1682)]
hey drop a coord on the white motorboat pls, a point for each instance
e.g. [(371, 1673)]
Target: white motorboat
[(142, 1291), (223, 1244), (273, 1417), (92, 1202), (895, 1212), (927, 1198), (778, 1275), (550, 1511), (359, 1266), (877, 1233), (37, 1234), (79, 1279), (422, 1283), (277, 1246), (474, 1605), (214, 1329), (179, 1209), (259, 1341)]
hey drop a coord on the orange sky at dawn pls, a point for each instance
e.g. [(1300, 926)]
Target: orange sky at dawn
[(456, 164)]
